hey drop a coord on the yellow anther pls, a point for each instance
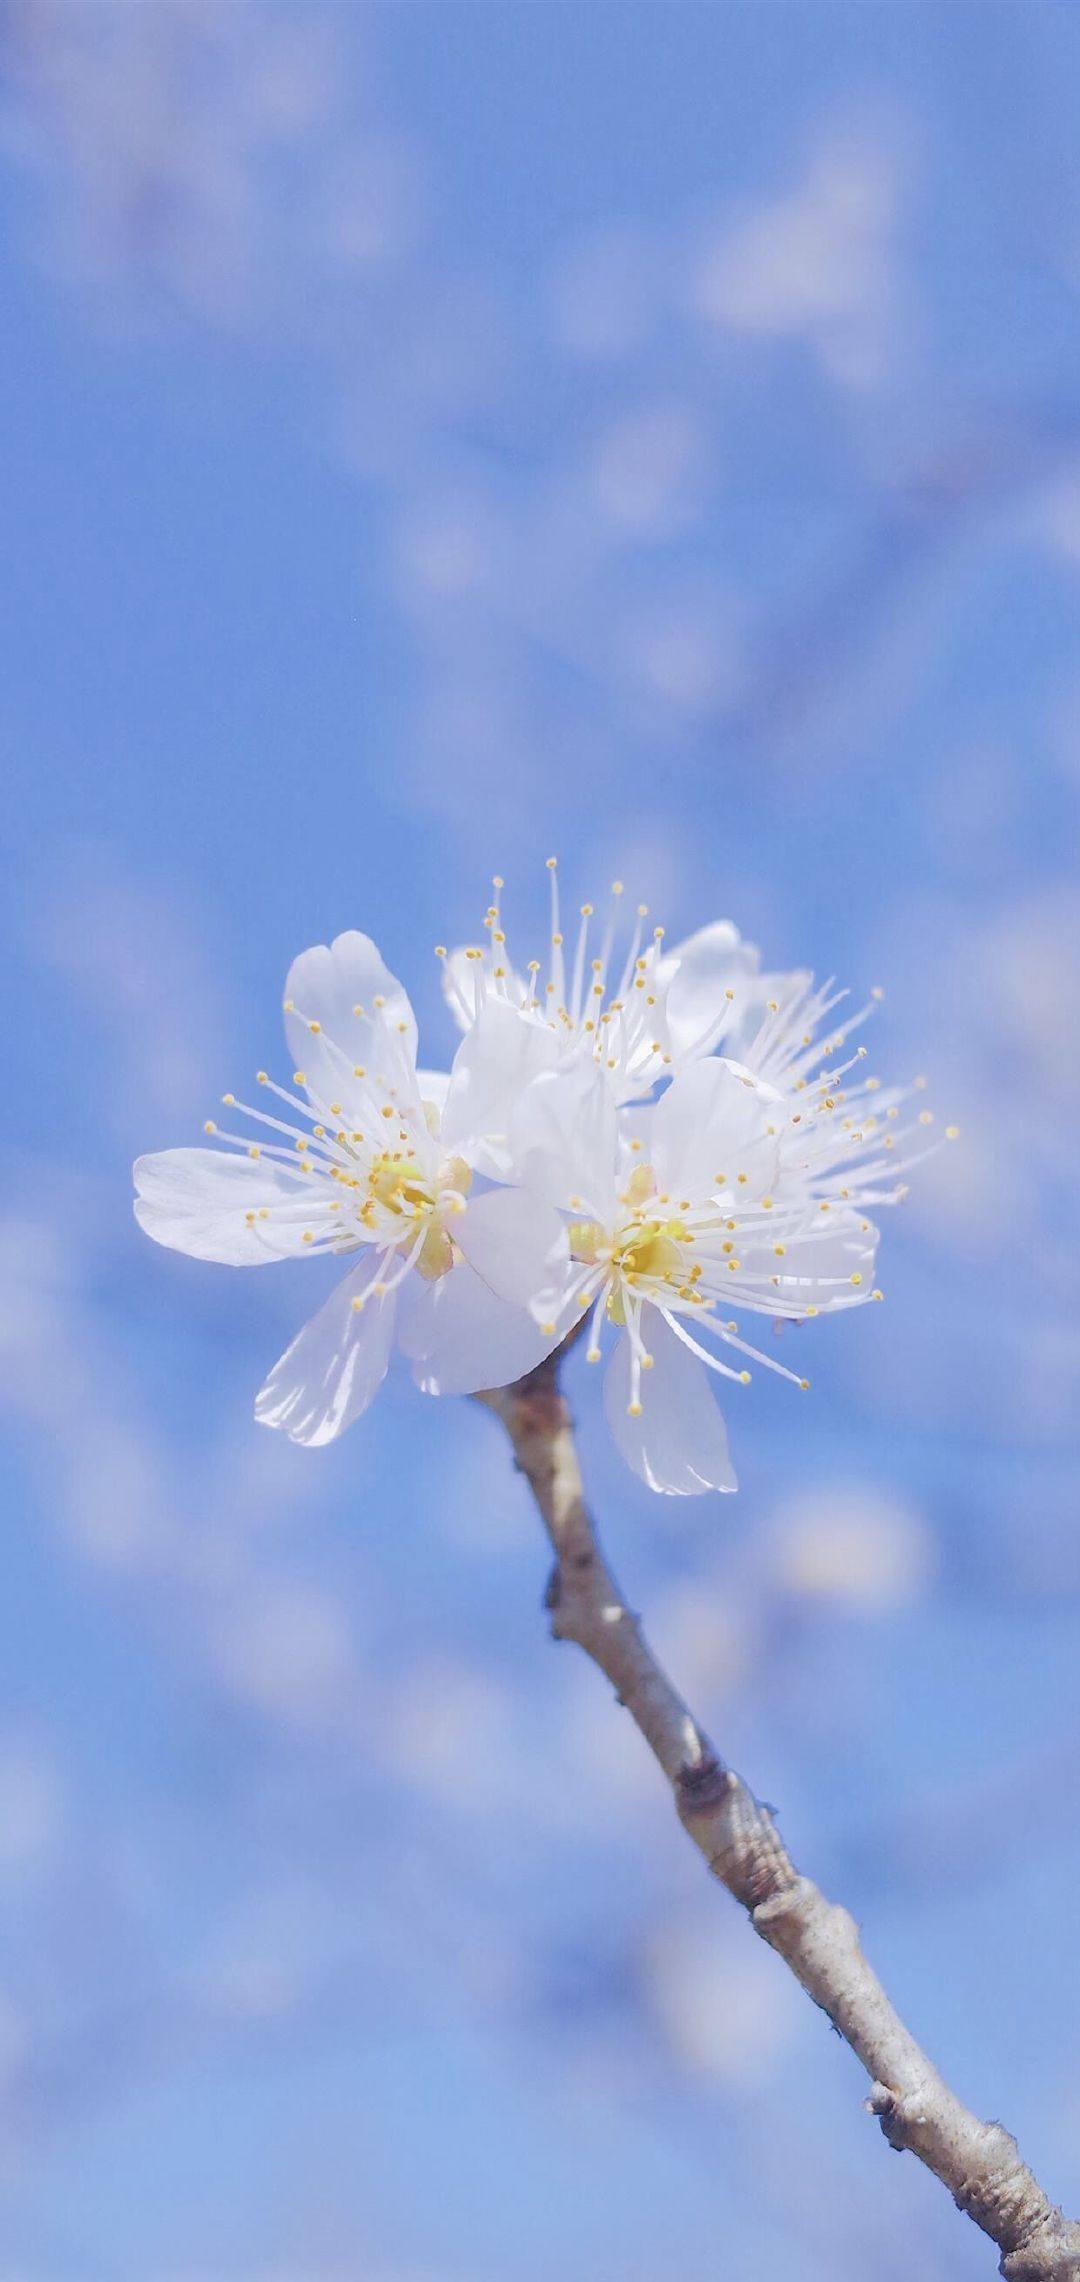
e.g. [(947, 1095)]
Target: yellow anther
[(548, 1330), (745, 1378), (261, 1078), (314, 1028), (378, 1000), (357, 1304), (856, 1278), (298, 1078), (952, 1133), (766, 1204), (805, 1385), (592, 1354), (633, 1410), (254, 1149), (646, 1362), (359, 1070), (440, 950), (209, 1126), (876, 1294), (780, 1250), (877, 992), (229, 1100), (552, 861), (773, 1005), (289, 1005), (250, 1218), (616, 887), (586, 910), (308, 1236)]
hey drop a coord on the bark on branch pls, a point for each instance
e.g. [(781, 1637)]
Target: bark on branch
[(979, 2163)]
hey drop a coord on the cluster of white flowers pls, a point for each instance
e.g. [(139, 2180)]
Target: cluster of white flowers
[(642, 1144)]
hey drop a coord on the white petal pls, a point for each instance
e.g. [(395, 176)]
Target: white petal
[(679, 1444), (326, 985), (565, 1139), (713, 1119), (702, 970), (460, 981), (514, 1241), (333, 1369), (460, 1338), (197, 1201), (497, 1059), (433, 1086)]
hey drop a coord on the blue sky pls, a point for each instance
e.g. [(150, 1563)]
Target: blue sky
[(433, 437)]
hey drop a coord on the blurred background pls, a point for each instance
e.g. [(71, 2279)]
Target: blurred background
[(433, 437)]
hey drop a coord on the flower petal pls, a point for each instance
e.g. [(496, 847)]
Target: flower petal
[(714, 1119), (679, 1444), (701, 971), (199, 1201), (516, 1243), (433, 1086), (460, 1338), (498, 1057), (466, 983), (565, 1139), (326, 986), (334, 1367)]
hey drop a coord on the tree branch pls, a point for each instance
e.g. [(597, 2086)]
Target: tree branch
[(979, 2163)]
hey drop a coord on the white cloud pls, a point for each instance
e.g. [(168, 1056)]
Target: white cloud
[(604, 293), (286, 1648), (32, 1807), (653, 471), (853, 1544), (728, 2007), (816, 262)]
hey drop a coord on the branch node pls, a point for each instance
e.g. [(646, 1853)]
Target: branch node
[(704, 1785)]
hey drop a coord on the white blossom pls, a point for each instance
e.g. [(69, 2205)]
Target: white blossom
[(374, 1161), (488, 1212), (677, 1214), (640, 1012)]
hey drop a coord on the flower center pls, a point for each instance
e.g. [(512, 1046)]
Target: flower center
[(397, 1183), (642, 1249)]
